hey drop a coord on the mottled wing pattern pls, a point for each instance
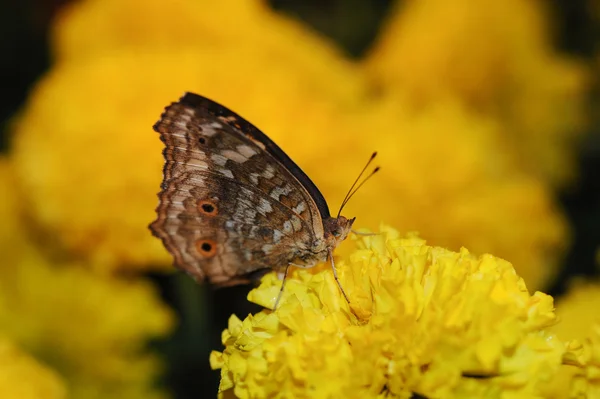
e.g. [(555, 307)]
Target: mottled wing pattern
[(228, 208)]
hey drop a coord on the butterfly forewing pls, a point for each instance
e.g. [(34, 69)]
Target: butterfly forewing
[(214, 109), (228, 206)]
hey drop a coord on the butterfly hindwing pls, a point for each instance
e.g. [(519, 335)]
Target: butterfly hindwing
[(227, 207)]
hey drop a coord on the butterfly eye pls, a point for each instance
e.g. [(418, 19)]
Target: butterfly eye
[(202, 140), (336, 233)]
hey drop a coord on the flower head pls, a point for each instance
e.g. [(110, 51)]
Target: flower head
[(90, 329), (464, 49), (422, 320)]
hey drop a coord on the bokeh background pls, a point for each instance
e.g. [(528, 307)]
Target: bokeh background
[(485, 115)]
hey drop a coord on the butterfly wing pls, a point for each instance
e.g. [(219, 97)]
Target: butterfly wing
[(229, 204), (261, 139)]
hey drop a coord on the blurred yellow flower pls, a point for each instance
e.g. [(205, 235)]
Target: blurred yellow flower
[(91, 329), (235, 32), (466, 48), (22, 377), (422, 320)]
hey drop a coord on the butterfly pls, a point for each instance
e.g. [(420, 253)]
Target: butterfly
[(233, 205)]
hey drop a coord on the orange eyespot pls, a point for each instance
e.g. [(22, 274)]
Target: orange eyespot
[(207, 207), (206, 248)]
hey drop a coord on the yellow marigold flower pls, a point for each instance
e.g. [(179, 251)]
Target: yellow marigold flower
[(21, 376), (91, 329), (465, 48), (422, 320)]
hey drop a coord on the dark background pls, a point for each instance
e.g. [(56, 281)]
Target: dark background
[(353, 24)]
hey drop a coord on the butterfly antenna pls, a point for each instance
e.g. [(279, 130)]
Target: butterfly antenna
[(349, 194), (359, 186), (356, 189)]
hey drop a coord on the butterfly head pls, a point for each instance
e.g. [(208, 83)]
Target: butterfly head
[(337, 229)]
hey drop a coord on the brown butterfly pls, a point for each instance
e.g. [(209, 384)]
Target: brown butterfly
[(233, 205)]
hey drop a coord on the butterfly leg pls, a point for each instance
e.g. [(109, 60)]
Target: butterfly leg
[(336, 277), (282, 286)]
